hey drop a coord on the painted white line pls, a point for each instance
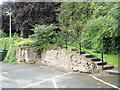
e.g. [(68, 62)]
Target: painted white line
[(63, 75), (105, 82), (36, 83), (54, 83), (45, 80)]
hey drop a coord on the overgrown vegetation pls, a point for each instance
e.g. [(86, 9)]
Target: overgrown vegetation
[(11, 45), (95, 24), (44, 36), (25, 15), (2, 34)]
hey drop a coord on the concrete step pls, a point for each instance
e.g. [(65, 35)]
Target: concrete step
[(100, 63), (82, 52), (64, 47), (89, 55), (74, 50), (113, 71), (95, 59), (107, 67)]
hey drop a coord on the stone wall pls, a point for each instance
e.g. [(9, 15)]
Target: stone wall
[(60, 58), (68, 60), (28, 55)]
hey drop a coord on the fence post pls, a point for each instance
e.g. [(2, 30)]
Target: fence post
[(80, 47), (66, 42), (102, 60), (56, 38)]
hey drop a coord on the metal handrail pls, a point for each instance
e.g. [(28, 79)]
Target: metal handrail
[(86, 45), (80, 47)]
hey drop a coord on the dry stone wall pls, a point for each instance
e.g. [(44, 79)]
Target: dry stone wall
[(70, 61), (28, 56), (59, 58)]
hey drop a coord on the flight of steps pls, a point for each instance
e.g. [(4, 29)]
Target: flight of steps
[(106, 66), (110, 69)]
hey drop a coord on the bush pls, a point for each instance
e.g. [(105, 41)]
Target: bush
[(98, 33), (15, 41), (44, 36), (5, 43), (92, 33), (2, 34), (11, 55)]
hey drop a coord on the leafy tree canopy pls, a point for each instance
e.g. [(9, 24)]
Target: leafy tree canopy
[(27, 14)]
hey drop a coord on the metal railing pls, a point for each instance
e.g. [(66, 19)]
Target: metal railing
[(79, 46)]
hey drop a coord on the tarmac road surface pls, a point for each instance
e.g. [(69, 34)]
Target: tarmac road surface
[(41, 76)]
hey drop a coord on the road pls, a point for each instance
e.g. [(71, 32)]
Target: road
[(41, 76)]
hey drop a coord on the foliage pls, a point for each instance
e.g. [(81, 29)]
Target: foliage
[(27, 14), (15, 41), (4, 43), (106, 33), (11, 55), (2, 34), (44, 35), (23, 41), (93, 39), (96, 24), (73, 15)]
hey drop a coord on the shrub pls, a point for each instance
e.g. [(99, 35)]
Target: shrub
[(11, 55), (15, 41), (44, 35), (98, 33), (2, 34), (5, 43), (92, 33)]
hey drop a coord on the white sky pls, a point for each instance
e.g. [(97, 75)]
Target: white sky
[(1, 1)]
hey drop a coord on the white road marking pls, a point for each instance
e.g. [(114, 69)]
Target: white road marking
[(45, 80), (105, 82), (54, 83), (63, 75)]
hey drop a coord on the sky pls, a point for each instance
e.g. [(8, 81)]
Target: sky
[(1, 1)]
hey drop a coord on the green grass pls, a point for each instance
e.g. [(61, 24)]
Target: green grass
[(112, 59)]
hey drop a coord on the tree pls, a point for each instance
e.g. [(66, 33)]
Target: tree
[(27, 14), (96, 24), (73, 15)]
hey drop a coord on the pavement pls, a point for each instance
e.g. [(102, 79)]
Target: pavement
[(41, 76)]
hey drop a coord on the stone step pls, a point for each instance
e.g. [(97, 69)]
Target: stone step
[(64, 47), (82, 52), (74, 50), (89, 55), (100, 63), (107, 67), (95, 59), (113, 71)]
